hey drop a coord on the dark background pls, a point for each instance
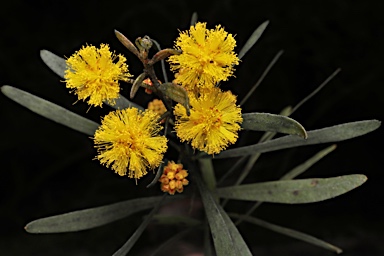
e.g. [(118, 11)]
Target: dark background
[(47, 169)]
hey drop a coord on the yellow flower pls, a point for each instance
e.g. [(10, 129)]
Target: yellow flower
[(213, 122), (173, 178), (128, 140), (157, 106), (207, 57), (92, 73)]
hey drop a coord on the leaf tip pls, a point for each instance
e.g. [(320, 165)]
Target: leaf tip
[(359, 179), (5, 88), (374, 124), (117, 33), (28, 228), (44, 55)]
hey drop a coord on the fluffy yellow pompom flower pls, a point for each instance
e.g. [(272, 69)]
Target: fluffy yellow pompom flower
[(92, 73), (207, 57), (213, 122), (128, 140)]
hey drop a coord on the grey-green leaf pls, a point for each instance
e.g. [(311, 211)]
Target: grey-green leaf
[(135, 236), (208, 249), (263, 75), (288, 232), (226, 237), (294, 191), (58, 65), (307, 164), (272, 123), (291, 174), (194, 18), (330, 134), (208, 172), (176, 93), (90, 218), (253, 39), (54, 62), (236, 236), (123, 103), (50, 110), (136, 84)]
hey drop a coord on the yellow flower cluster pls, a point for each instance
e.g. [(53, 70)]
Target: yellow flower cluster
[(128, 140), (173, 178), (92, 73), (213, 122), (207, 57)]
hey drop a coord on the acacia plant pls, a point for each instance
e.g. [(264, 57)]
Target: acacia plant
[(195, 116)]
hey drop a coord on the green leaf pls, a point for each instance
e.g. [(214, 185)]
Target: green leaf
[(226, 237), (253, 39), (294, 191), (123, 103), (266, 71), (330, 134), (244, 173), (307, 164), (288, 232), (326, 81), (176, 93), (136, 84), (58, 65), (269, 135), (253, 158), (50, 110), (208, 172), (54, 62), (90, 218), (158, 174), (135, 236), (194, 18), (273, 123), (166, 219), (208, 248), (292, 174)]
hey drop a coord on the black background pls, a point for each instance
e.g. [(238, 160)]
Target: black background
[(47, 169)]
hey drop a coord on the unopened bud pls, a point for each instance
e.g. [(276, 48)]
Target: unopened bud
[(136, 85), (144, 44), (127, 43), (161, 55)]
